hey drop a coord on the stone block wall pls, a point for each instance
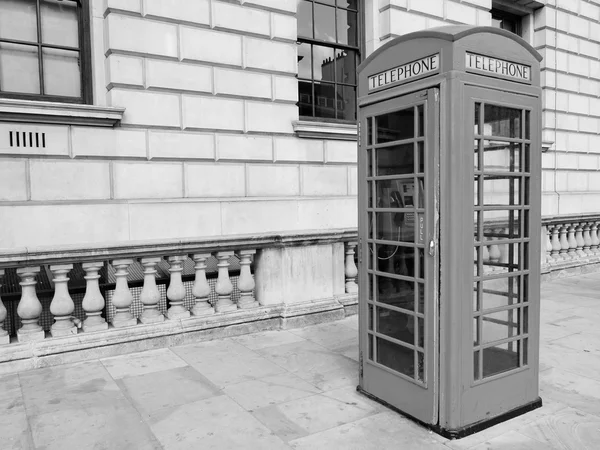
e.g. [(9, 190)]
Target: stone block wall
[(206, 145)]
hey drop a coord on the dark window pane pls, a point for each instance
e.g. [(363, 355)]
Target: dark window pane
[(19, 69), (421, 120), (395, 126), (398, 293), (304, 68), (500, 358), (345, 67), (396, 325), (395, 227), (396, 259), (527, 125), (324, 23), (324, 100), (346, 102), (18, 20), (477, 108), (61, 72), (420, 297), (351, 4), (395, 160), (369, 133), (305, 98), (328, 2), (502, 121), (323, 63), (421, 156), (59, 22), (421, 323), (421, 366), (396, 357), (347, 31), (476, 365)]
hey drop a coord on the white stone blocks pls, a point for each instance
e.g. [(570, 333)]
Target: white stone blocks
[(487, 4), (123, 5), (432, 7), (46, 140), (282, 5), (140, 35), (210, 46), (284, 27), (234, 17), (588, 162), (178, 76), (567, 160), (273, 180), (484, 18), (579, 104), (327, 213), (213, 113), (122, 69), (147, 180), (393, 21), (270, 117), (566, 122), (215, 180), (60, 224), (295, 149), (460, 12), (196, 11), (242, 83), (589, 124), (323, 180), (108, 142), (69, 180), (180, 145), (259, 216), (579, 142), (13, 180), (579, 65), (352, 180), (270, 55), (147, 108), (244, 147), (341, 152), (175, 220), (286, 88)]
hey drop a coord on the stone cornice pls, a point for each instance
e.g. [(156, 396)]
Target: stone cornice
[(325, 130)]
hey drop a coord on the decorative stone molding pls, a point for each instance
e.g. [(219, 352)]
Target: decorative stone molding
[(325, 130), (12, 110)]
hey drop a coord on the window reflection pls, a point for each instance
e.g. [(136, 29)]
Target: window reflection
[(502, 121)]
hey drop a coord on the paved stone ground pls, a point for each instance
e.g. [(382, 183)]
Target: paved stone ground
[(292, 390)]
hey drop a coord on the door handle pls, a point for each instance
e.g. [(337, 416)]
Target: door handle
[(431, 248)]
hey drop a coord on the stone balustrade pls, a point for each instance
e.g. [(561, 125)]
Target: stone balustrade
[(116, 290)]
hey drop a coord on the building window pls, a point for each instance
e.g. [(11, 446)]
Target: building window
[(328, 53), (44, 50), (506, 21)]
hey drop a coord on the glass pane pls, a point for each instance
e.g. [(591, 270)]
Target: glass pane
[(477, 111), (18, 20), (526, 320), (305, 98), (502, 121), (61, 72), (346, 102), (421, 154), (476, 365), (420, 297), (527, 155), (324, 100), (476, 155), (305, 23), (395, 227), (396, 357), (476, 191), (421, 323), (396, 160), (369, 132), (370, 287), (500, 358), (500, 325), (370, 338), (527, 125), (396, 260), (323, 63), (304, 68), (476, 296), (59, 22), (19, 69), (329, 2), (421, 263), (369, 160), (345, 67), (501, 224), (370, 320), (395, 126), (501, 191), (500, 292), (398, 293), (501, 156), (420, 195), (351, 4), (525, 351), (502, 258), (396, 325), (475, 331), (476, 227), (324, 23), (421, 368), (421, 126), (347, 27)]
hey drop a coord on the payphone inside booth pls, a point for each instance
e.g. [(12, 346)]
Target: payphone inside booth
[(449, 222)]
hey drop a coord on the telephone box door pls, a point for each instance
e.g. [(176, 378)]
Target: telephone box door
[(398, 188)]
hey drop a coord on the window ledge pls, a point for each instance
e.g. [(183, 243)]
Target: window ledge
[(325, 130), (59, 113)]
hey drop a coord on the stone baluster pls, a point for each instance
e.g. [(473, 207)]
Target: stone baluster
[(176, 291), (201, 288), (29, 308), (122, 297), (245, 281), (572, 241), (595, 248), (587, 238), (4, 337), (564, 242), (556, 247), (224, 288), (579, 239), (494, 253), (93, 302), (485, 255), (150, 294), (548, 246), (350, 268), (62, 305)]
